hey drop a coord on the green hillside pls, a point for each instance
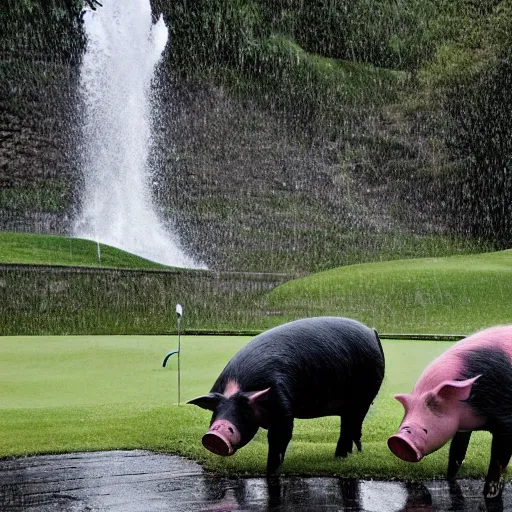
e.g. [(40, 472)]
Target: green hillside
[(457, 294), (26, 248)]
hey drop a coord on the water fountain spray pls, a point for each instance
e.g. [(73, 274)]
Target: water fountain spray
[(123, 48)]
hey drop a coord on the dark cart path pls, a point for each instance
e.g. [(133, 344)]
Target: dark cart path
[(129, 481)]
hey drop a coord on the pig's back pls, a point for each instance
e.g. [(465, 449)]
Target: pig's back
[(309, 358), (478, 353)]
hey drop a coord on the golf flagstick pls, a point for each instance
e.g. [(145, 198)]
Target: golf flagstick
[(179, 313)]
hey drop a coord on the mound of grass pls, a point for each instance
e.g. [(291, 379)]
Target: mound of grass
[(101, 393), (26, 248), (457, 294)]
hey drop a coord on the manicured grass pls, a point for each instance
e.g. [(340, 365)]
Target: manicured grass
[(62, 394), (26, 248), (457, 294)]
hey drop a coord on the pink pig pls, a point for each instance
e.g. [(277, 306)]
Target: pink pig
[(468, 387)]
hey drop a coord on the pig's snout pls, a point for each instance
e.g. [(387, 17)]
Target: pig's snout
[(406, 445), (223, 438)]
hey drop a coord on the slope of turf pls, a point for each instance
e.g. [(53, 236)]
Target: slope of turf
[(63, 394), (457, 294), (26, 248)]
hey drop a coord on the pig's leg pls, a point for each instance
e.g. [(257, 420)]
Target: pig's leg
[(458, 449), (501, 450), (279, 435), (344, 445), (350, 431)]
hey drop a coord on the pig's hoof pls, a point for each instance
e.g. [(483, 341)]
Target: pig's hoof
[(342, 452), (343, 448), (494, 489)]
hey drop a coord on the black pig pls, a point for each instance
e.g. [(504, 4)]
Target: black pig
[(325, 366)]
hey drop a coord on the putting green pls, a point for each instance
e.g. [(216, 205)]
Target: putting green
[(70, 371), (62, 394)]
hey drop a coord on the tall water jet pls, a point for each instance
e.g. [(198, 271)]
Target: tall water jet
[(123, 48)]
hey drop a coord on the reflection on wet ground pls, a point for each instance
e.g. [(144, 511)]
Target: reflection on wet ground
[(130, 481)]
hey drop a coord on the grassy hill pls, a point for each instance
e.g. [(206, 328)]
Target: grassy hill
[(457, 294), (26, 248)]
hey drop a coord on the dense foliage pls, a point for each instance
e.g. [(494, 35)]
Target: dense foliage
[(456, 51), (29, 26), (405, 34)]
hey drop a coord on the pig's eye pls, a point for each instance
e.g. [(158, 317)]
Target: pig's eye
[(425, 430), (231, 430)]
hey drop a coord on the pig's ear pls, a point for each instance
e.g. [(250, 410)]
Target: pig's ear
[(257, 396), (404, 400), (209, 401), (455, 389), (258, 403)]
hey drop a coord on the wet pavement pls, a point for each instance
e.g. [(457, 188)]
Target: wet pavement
[(133, 481)]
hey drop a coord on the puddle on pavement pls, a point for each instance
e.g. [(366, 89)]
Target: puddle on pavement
[(133, 481)]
